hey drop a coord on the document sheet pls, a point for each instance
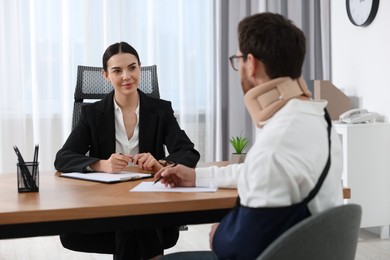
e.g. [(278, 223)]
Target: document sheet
[(158, 187)]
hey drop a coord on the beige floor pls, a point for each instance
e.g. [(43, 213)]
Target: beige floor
[(370, 247)]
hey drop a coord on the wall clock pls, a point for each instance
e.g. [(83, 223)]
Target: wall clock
[(362, 12)]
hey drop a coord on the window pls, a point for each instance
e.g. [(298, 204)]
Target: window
[(44, 41)]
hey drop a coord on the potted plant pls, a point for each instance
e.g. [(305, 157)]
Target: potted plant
[(239, 144)]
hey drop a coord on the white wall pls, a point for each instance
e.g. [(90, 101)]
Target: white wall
[(361, 57)]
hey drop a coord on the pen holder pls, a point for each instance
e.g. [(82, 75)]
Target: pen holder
[(28, 177)]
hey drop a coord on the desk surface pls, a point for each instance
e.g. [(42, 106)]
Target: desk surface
[(64, 205), (64, 199)]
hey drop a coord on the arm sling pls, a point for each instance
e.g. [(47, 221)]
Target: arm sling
[(245, 232)]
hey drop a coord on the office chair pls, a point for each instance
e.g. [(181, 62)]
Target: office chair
[(331, 234), (91, 85)]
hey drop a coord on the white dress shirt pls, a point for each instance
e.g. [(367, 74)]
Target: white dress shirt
[(285, 161)]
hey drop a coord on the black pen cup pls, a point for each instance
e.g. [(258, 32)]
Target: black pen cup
[(28, 177)]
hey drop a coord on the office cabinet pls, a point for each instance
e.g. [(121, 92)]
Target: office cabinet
[(366, 170)]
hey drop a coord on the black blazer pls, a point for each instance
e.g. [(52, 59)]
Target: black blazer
[(95, 133)]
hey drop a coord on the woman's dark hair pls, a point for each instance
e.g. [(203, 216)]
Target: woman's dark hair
[(275, 41), (119, 47)]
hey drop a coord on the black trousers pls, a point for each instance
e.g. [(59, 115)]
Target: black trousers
[(124, 245)]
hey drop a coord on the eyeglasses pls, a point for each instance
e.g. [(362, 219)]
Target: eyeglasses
[(234, 61)]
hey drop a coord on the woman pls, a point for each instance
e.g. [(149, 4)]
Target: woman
[(125, 127)]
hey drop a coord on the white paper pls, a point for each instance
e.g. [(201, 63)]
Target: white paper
[(107, 177), (158, 187)]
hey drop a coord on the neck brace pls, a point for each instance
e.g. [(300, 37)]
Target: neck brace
[(265, 100)]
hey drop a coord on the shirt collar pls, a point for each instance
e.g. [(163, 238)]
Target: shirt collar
[(117, 107)]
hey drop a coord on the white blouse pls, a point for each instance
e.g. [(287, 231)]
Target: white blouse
[(122, 143)]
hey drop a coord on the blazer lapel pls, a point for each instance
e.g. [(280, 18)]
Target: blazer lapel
[(105, 123), (148, 124)]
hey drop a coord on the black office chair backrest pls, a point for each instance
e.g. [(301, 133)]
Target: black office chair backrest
[(331, 234), (91, 85)]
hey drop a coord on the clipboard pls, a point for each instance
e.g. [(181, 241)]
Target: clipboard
[(104, 177)]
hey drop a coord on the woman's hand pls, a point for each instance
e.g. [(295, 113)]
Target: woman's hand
[(116, 163), (146, 161)]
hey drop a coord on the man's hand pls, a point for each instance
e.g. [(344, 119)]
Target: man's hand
[(179, 175)]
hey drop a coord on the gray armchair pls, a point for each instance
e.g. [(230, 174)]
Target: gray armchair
[(331, 234)]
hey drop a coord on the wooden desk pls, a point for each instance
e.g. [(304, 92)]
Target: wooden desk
[(65, 205)]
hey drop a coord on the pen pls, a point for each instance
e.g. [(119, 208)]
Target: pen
[(21, 165), (159, 178), (35, 162), (129, 163)]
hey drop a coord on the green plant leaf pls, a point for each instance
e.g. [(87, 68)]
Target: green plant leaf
[(239, 143)]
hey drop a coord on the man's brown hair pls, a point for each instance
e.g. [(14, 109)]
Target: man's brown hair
[(275, 41)]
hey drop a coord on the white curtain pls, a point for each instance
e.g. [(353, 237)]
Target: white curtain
[(43, 41)]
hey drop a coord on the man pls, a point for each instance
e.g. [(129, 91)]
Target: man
[(294, 145)]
